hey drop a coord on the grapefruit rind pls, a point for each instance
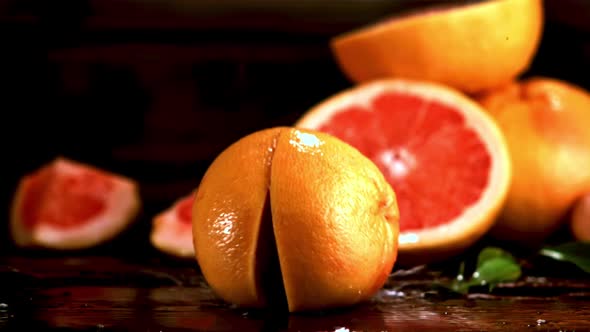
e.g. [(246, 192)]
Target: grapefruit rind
[(171, 236), (350, 265), (470, 47), (450, 238), (122, 206)]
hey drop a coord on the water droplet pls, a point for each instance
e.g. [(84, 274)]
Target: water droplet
[(446, 312), (541, 321), (100, 326), (392, 293)]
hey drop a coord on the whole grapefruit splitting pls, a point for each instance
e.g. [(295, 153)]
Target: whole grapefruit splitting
[(172, 229), (297, 218), (471, 47), (546, 124), (70, 205), (443, 155)]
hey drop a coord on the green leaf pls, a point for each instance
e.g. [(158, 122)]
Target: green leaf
[(497, 270), (494, 266), (489, 253), (577, 253)]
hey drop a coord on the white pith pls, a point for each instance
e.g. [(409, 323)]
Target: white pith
[(477, 218)]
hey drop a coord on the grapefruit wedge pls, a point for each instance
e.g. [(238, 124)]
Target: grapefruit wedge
[(443, 155), (172, 229), (70, 205)]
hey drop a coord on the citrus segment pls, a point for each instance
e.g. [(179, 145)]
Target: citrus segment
[(471, 47), (172, 229), (335, 221), (227, 214), (444, 157), (69, 205)]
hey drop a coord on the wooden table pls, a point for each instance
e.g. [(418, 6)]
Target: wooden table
[(103, 293)]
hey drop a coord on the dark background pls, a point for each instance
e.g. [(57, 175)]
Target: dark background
[(156, 89)]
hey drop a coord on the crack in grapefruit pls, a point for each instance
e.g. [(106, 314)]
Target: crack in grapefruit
[(443, 155), (70, 205)]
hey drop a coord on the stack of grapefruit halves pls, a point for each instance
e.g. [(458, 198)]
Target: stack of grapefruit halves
[(71, 205), (443, 155)]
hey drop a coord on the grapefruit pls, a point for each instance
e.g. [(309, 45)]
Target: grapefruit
[(443, 155), (297, 217), (70, 205), (172, 229), (546, 124), (471, 47), (580, 220)]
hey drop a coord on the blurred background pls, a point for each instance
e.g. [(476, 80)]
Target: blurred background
[(155, 89)]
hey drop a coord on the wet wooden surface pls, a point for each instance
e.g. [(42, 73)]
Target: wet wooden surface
[(173, 92), (96, 293)]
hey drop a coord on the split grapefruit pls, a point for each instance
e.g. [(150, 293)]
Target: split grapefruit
[(172, 229), (443, 155), (70, 205), (295, 216), (471, 47)]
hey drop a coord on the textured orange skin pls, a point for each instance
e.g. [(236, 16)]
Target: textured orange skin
[(471, 48), (335, 220), (546, 124), (580, 222)]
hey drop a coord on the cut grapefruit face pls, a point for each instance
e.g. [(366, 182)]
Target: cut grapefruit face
[(443, 155), (70, 205), (172, 229)]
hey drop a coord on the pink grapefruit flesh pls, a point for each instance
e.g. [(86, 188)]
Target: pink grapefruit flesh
[(443, 155), (172, 229), (70, 205), (417, 139)]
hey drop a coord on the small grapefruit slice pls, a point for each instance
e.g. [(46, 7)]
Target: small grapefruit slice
[(172, 229), (471, 47), (443, 155), (70, 205)]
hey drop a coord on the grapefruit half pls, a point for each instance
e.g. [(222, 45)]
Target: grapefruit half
[(70, 205), (443, 155), (471, 47), (172, 229)]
